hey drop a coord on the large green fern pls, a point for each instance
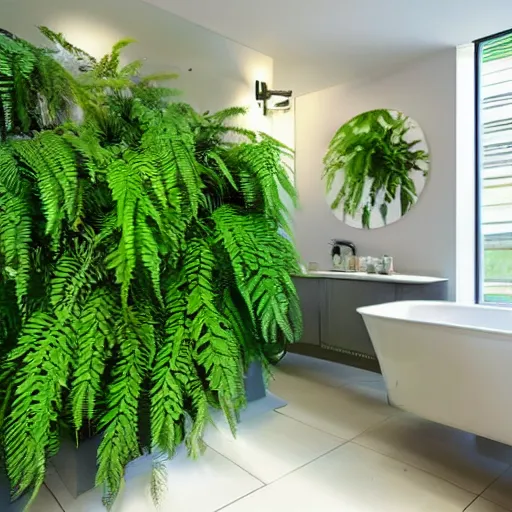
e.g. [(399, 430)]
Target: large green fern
[(141, 269)]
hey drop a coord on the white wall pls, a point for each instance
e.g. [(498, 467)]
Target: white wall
[(423, 242), (223, 72), (466, 207)]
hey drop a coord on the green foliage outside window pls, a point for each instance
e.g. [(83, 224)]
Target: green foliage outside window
[(498, 48)]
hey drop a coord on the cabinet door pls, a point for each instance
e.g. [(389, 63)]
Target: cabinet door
[(311, 296), (342, 326), (431, 291)]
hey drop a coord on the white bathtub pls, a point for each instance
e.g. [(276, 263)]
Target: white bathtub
[(447, 362)]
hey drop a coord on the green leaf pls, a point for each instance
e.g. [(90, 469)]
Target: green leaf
[(135, 342), (126, 184)]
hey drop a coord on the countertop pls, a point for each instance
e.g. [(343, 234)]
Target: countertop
[(363, 276)]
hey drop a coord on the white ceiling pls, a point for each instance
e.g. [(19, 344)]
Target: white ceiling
[(319, 43)]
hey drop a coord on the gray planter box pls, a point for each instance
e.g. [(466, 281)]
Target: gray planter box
[(254, 384), (5, 496), (76, 467)]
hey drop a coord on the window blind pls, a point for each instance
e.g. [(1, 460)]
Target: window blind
[(496, 168)]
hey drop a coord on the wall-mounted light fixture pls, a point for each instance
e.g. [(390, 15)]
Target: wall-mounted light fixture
[(272, 100)]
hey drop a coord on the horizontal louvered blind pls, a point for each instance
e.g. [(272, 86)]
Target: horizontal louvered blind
[(496, 168), (496, 171), (498, 48)]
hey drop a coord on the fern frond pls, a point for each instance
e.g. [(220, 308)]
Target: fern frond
[(45, 351), (222, 168), (58, 38), (228, 113), (17, 61), (85, 141), (108, 66), (52, 161), (176, 381), (171, 374), (276, 144), (262, 271), (131, 69), (57, 91), (158, 77), (159, 188), (159, 485), (70, 279), (154, 97), (61, 162), (49, 188), (235, 310), (15, 240), (171, 142), (10, 317), (147, 248), (264, 163), (115, 83), (10, 175), (136, 344), (199, 413), (215, 347), (126, 184), (95, 338)]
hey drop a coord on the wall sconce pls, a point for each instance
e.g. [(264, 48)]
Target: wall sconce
[(272, 100)]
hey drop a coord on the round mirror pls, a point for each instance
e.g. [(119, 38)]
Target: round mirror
[(376, 168)]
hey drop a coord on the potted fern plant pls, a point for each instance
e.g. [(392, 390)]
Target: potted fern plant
[(142, 269)]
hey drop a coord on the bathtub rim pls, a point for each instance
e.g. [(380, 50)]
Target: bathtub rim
[(373, 311)]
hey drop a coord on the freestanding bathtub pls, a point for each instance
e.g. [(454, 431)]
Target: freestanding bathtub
[(446, 362)]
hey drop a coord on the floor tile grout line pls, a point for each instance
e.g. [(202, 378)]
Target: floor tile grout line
[(52, 494), (344, 443), (278, 411), (417, 467), (471, 503), (345, 440), (481, 495), (287, 474), (341, 440), (239, 499), (377, 425), (341, 443), (236, 464), (357, 441)]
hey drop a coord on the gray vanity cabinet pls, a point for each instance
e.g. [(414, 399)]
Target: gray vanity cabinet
[(312, 298), (334, 330), (342, 327)]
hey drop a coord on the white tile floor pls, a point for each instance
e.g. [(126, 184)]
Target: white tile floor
[(337, 446)]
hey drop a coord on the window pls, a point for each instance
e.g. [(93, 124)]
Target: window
[(494, 169)]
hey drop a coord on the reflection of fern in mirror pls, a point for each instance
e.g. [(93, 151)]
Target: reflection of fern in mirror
[(141, 270), (35, 92), (372, 147)]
